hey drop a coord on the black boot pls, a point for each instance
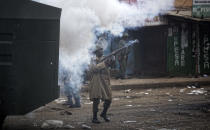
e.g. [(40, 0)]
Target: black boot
[(96, 102), (107, 104), (105, 117), (70, 101), (77, 101), (95, 120)]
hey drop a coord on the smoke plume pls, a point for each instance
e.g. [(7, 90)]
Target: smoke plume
[(80, 19)]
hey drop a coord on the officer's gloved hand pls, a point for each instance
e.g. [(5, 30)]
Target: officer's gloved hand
[(99, 67)]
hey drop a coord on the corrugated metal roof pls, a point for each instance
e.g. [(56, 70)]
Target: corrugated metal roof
[(156, 21), (27, 9), (187, 14)]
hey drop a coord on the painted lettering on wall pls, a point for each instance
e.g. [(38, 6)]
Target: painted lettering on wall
[(176, 47), (193, 44), (184, 44), (201, 2), (206, 51)]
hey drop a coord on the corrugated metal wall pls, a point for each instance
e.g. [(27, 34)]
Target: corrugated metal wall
[(182, 48), (205, 48), (29, 51), (179, 46), (188, 51), (150, 54)]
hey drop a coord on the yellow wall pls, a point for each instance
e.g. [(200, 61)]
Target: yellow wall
[(183, 3)]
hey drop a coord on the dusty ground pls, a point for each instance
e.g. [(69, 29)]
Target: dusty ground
[(140, 109)]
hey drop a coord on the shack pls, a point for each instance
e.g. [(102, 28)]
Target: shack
[(29, 51), (188, 46)]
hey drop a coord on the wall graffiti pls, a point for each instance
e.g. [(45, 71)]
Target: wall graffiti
[(206, 48), (184, 44), (176, 47), (193, 44), (176, 51)]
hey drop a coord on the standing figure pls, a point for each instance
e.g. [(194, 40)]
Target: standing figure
[(99, 87), (123, 56), (70, 91)]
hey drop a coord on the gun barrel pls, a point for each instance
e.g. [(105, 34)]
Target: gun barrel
[(130, 43)]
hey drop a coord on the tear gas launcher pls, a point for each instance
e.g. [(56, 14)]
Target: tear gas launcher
[(115, 52)]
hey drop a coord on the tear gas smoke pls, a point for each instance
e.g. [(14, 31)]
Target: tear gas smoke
[(80, 19)]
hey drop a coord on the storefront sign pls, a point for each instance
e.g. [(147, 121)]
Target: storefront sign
[(201, 8)]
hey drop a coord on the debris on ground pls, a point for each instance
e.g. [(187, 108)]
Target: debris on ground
[(188, 86), (149, 90), (195, 85), (170, 100), (88, 103), (60, 100), (182, 90), (86, 127), (35, 124), (198, 91), (143, 114), (116, 99), (128, 105), (65, 113), (140, 93), (52, 124), (167, 93), (129, 122), (68, 127), (128, 91)]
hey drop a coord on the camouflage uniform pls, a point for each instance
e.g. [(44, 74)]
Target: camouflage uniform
[(122, 58), (69, 91)]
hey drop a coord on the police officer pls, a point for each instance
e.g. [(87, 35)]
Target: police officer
[(123, 56), (70, 91), (99, 87)]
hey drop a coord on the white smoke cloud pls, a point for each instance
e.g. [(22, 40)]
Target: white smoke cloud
[(80, 18)]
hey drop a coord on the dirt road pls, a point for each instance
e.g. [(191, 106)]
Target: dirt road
[(141, 109)]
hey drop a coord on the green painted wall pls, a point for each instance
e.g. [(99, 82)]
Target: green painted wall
[(205, 49), (179, 49)]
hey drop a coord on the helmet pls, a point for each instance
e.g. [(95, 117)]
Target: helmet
[(98, 47), (98, 51)]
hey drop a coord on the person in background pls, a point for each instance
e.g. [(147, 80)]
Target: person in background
[(122, 57), (70, 92), (99, 87)]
